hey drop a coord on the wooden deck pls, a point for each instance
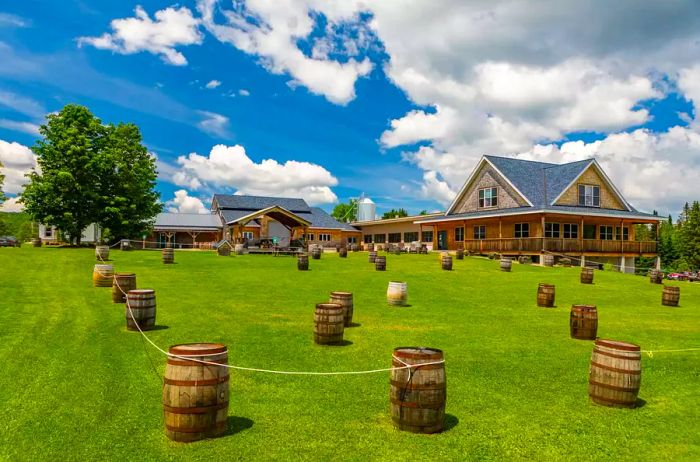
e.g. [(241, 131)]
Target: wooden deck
[(536, 245)]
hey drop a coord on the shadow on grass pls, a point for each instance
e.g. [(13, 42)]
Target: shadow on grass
[(640, 403), (451, 422), (236, 425), (355, 324), (342, 343), (160, 327)]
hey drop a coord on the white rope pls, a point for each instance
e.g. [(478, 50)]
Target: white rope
[(253, 369), (650, 353)]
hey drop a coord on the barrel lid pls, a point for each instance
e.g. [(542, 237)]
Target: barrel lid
[(544, 284), (124, 275), (141, 291), (396, 282), (197, 349), (103, 266), (617, 345), (329, 306), (584, 307), (672, 288), (342, 294), (418, 352)]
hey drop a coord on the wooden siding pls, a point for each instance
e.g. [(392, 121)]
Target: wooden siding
[(608, 198), (487, 177)]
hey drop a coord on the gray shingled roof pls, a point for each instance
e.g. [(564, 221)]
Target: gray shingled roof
[(588, 211), (255, 203), (233, 215), (540, 182), (187, 221), (319, 218)]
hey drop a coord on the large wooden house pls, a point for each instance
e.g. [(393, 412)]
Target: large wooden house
[(517, 207)]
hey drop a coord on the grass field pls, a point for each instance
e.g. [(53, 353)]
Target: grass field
[(77, 386)]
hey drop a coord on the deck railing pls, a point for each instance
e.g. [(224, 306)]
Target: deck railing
[(538, 244)]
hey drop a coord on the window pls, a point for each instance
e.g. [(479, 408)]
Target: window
[(570, 231), (459, 234), (606, 233), (427, 236), (380, 238), (352, 240), (551, 230), (588, 195), (480, 232), (622, 234), (488, 197), (394, 237), (247, 234), (410, 237), (367, 238), (308, 237), (324, 237), (48, 231), (522, 230)]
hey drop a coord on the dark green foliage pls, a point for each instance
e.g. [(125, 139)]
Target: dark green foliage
[(345, 212), (2, 181), (91, 173), (18, 225), (395, 213)]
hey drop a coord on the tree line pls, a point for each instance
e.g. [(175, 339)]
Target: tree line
[(90, 172), (679, 242)]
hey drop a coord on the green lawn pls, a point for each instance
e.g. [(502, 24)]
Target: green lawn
[(77, 386)]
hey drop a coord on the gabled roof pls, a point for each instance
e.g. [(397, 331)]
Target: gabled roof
[(255, 203), (188, 221), (233, 215), (275, 212), (319, 218), (539, 183)]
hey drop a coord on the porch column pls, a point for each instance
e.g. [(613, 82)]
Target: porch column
[(580, 236), (623, 264), (544, 247), (657, 263), (583, 261), (464, 237), (435, 231)]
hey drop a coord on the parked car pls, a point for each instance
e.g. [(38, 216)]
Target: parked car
[(684, 276), (8, 241)]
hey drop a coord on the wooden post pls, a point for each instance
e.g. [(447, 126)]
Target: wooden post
[(542, 233), (580, 236), (464, 234), (193, 235), (500, 235)]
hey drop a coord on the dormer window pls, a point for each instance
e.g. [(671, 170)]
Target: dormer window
[(588, 195), (488, 197)]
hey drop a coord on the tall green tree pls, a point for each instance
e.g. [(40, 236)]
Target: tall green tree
[(91, 173), (690, 235), (395, 213), (345, 212)]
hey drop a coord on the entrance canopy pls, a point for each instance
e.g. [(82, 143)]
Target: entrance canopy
[(277, 213)]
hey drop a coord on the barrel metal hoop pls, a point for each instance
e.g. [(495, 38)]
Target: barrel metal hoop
[(613, 387), (195, 410), (196, 383), (617, 345), (423, 367), (414, 405), (410, 386), (218, 426), (177, 362), (614, 369), (612, 355), (611, 400)]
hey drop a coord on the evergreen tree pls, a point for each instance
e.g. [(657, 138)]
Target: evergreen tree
[(395, 213), (690, 236)]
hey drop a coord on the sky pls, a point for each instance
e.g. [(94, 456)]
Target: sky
[(327, 100)]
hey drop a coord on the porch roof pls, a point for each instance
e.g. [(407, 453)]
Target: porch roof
[(277, 213), (552, 209)]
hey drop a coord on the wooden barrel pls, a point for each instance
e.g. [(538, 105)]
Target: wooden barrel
[(397, 293), (565, 262), (656, 276), (460, 254), (372, 256), (125, 245), (329, 323), (586, 275), (102, 253), (224, 250), (303, 262), (380, 263), (583, 322), (195, 395), (418, 394), (344, 299), (524, 260), (506, 264), (355, 248), (343, 252), (168, 255), (316, 252), (671, 296), (615, 373), (370, 247), (102, 275), (238, 249), (122, 283), (446, 261), (545, 295), (141, 304), (36, 242), (548, 260)]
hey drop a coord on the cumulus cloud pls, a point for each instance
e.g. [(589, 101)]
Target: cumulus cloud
[(11, 205), (213, 84), (172, 27), (230, 168), (184, 203), (243, 92), (273, 30), (17, 161), (213, 123)]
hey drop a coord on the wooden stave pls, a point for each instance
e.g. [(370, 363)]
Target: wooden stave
[(671, 296), (506, 265), (446, 262), (583, 322), (142, 305), (102, 275), (122, 283), (329, 323), (372, 255), (343, 252), (168, 255), (344, 299), (380, 263), (397, 293), (587, 275), (656, 276), (102, 253), (418, 406), (210, 383), (615, 374), (548, 260), (546, 295), (302, 262)]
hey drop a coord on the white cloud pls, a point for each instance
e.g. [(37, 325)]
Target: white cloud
[(184, 203), (21, 104), (11, 20), (213, 123), (272, 30), (230, 168), (213, 84), (172, 27), (243, 92), (17, 160), (24, 127), (11, 205)]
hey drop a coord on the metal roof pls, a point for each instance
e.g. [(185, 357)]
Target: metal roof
[(188, 221), (255, 203)]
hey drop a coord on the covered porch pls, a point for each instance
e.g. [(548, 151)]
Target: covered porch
[(290, 221)]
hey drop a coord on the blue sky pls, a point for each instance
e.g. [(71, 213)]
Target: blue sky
[(404, 133)]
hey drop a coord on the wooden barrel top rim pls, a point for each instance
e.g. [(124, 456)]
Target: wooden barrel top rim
[(188, 349), (542, 284), (584, 307), (617, 345), (610, 355), (341, 294), (329, 306), (434, 353), (141, 291)]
